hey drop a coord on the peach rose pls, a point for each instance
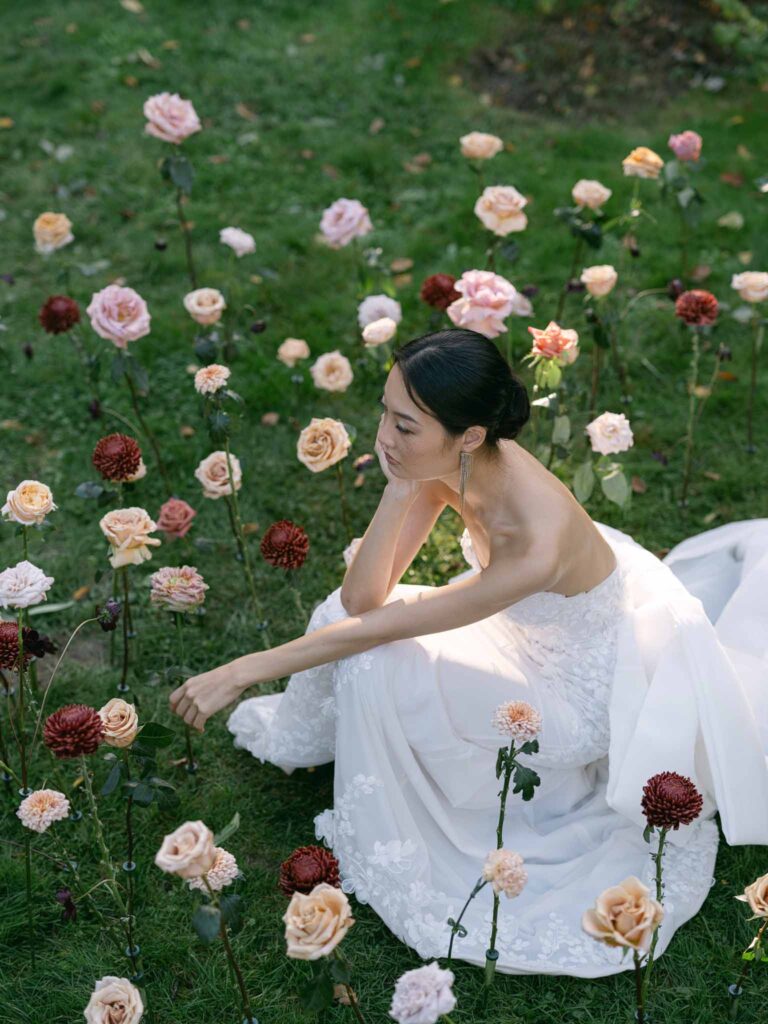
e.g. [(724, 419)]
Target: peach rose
[(188, 852), (40, 809), (170, 118), (610, 433), (752, 285), (214, 475), (29, 503), (555, 343), (486, 300), (344, 220), (121, 723), (175, 518), (591, 193), (322, 444), (504, 870), (316, 922), (599, 280), (127, 530), (291, 350), (500, 208), (238, 240), (686, 146), (205, 305), (332, 372), (378, 332), (624, 915), (756, 895), (211, 378), (114, 1001), (119, 314), (642, 163), (52, 231), (480, 145)]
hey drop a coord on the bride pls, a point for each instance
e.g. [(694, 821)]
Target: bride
[(636, 666)]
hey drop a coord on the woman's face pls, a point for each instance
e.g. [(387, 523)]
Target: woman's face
[(416, 440)]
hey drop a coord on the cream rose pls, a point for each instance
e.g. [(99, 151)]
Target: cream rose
[(591, 193), (29, 503), (52, 231), (214, 476), (291, 350), (344, 220), (756, 895), (188, 852), (752, 285), (170, 118), (610, 433), (500, 208), (119, 314), (121, 723), (624, 915), (600, 279), (322, 444), (480, 145), (205, 305), (114, 1001), (332, 372), (238, 240), (642, 163), (211, 378), (128, 530), (379, 332), (316, 922)]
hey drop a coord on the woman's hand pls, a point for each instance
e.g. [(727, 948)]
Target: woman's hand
[(402, 488), (202, 696)]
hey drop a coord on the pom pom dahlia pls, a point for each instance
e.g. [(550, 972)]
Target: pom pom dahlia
[(73, 730), (670, 800), (307, 867), (285, 545)]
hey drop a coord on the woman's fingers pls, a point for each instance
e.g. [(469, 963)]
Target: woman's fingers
[(183, 705), (176, 695), (199, 722)]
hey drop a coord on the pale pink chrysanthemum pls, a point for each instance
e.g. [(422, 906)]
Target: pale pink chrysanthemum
[(223, 872), (518, 719), (504, 870), (177, 588), (40, 809), (211, 378)]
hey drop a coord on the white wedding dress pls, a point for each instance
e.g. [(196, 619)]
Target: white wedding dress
[(661, 667)]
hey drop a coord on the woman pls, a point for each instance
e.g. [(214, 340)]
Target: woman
[(399, 683)]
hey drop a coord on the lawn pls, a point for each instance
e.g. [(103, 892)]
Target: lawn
[(302, 103)]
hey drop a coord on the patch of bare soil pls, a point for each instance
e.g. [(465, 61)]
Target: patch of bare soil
[(600, 60)]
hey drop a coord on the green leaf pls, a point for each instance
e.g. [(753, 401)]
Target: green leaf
[(231, 914), (218, 425), (561, 431), (341, 973), (206, 921), (112, 779), (228, 831), (647, 832), (317, 994), (49, 609), (500, 759), (615, 487), (137, 373), (143, 794), (118, 366), (526, 781), (591, 233), (509, 251), (155, 735), (531, 747), (180, 171), (584, 481), (88, 489)]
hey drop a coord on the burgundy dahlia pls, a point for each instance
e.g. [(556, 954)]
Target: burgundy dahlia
[(307, 867), (58, 314), (34, 644), (116, 457), (73, 730), (438, 291), (696, 308), (670, 800), (285, 545)]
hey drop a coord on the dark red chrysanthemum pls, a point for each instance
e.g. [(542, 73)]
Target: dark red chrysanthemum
[(696, 308), (670, 800), (285, 545), (34, 644), (116, 457), (73, 730), (438, 291), (307, 867), (58, 314)]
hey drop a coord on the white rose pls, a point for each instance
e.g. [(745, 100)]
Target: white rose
[(237, 239), (591, 193), (600, 279), (610, 433), (23, 585), (752, 285), (379, 331)]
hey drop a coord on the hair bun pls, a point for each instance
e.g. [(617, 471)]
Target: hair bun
[(515, 412)]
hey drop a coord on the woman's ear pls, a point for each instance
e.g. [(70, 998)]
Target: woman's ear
[(474, 437)]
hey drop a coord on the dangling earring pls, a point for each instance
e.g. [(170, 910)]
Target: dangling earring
[(465, 468)]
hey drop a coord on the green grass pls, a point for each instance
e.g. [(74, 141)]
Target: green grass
[(365, 60)]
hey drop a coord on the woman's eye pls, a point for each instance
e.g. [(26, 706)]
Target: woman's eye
[(403, 431)]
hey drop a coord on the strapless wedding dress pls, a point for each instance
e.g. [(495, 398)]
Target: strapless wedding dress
[(661, 667)]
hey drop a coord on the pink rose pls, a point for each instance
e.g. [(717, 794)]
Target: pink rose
[(486, 300), (119, 314), (175, 518), (344, 220), (170, 118), (686, 146), (555, 343)]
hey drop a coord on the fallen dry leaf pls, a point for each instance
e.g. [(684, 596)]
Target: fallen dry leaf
[(359, 480), (146, 58), (134, 6), (710, 517), (639, 486), (732, 178), (376, 125), (745, 258), (250, 528), (131, 81), (701, 272), (187, 431), (269, 419), (330, 171), (218, 158), (11, 425), (413, 62), (245, 112), (743, 152), (401, 280), (401, 264), (726, 375), (702, 391), (80, 593), (711, 475)]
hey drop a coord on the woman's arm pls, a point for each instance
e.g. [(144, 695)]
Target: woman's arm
[(505, 581)]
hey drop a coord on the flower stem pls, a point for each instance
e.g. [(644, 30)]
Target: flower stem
[(455, 927), (354, 1005), (342, 499), (53, 676), (692, 377), (757, 341), (191, 763), (122, 686), (187, 239), (745, 969), (660, 897), (564, 290), (148, 433), (491, 954), (230, 955), (639, 988)]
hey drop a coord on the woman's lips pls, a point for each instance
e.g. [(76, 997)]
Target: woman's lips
[(390, 459)]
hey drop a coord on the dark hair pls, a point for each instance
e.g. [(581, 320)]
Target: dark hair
[(464, 381)]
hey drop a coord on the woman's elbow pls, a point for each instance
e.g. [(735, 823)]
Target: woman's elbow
[(353, 607)]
